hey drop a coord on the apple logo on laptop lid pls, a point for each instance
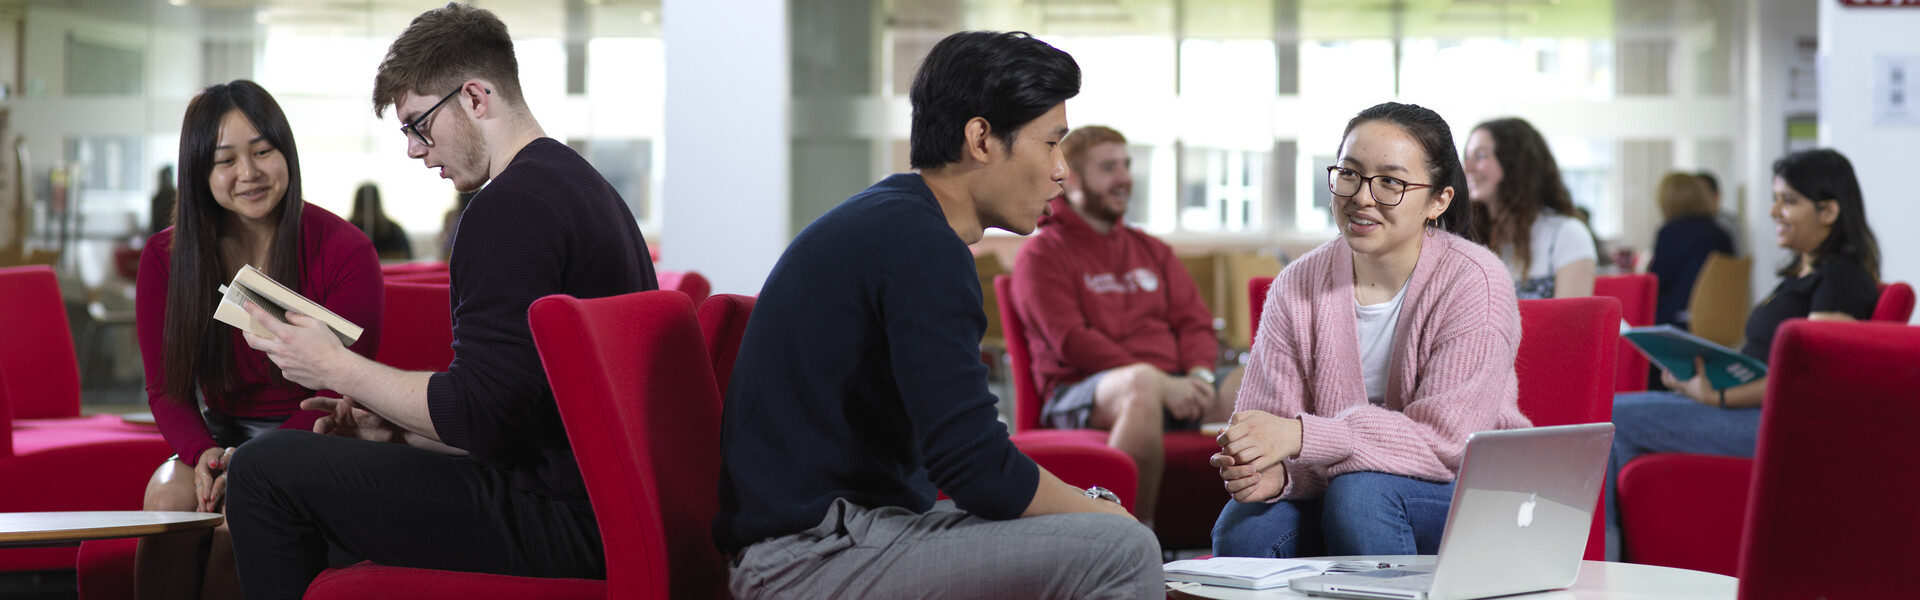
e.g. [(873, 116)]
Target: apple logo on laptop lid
[(1526, 510)]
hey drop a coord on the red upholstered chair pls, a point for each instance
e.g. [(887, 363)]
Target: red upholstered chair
[(51, 458), (43, 379), (1689, 510), (637, 395), (1638, 294), (1684, 510), (1566, 372), (413, 268), (1835, 458), (723, 322), (1257, 301), (417, 328), (1896, 303), (439, 277), (691, 283), (1191, 494)]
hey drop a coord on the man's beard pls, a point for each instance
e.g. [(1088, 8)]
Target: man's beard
[(469, 155)]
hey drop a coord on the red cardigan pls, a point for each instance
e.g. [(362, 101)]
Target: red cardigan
[(341, 272), (1096, 301)]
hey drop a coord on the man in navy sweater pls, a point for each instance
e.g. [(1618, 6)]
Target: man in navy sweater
[(859, 394), (478, 475)]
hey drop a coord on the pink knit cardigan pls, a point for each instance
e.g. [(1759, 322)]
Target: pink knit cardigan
[(1451, 373)]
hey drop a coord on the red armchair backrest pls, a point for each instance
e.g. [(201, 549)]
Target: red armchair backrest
[(1637, 293), (1566, 371), (416, 333), (1257, 288), (1896, 303), (1836, 445), (638, 398), (412, 268), (723, 322), (691, 283), (439, 277), (1026, 397), (43, 377)]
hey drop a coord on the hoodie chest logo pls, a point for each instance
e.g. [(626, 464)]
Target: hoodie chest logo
[(1135, 281)]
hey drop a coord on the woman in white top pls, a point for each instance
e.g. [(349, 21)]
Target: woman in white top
[(1531, 224)]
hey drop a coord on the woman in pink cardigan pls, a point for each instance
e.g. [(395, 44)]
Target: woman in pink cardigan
[(1379, 353)]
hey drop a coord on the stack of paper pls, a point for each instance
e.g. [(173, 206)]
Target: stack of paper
[(1247, 573)]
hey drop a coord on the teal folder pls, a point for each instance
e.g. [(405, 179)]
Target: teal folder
[(1673, 351)]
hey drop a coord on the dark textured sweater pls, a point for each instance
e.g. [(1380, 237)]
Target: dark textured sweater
[(1679, 251), (548, 224), (860, 377)]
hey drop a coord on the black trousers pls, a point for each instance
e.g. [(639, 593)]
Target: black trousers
[(292, 493)]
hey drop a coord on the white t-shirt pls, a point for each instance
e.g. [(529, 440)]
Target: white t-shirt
[(1377, 325), (1558, 240)]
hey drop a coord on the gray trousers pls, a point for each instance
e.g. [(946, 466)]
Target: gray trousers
[(891, 552)]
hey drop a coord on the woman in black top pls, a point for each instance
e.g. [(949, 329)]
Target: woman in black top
[(1817, 213)]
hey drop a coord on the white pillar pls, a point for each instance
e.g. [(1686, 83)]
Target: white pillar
[(726, 141), (1772, 27), (1882, 155)]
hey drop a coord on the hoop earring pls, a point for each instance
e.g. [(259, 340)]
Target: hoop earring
[(1432, 225)]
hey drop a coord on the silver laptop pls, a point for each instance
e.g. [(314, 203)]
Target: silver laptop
[(1521, 512)]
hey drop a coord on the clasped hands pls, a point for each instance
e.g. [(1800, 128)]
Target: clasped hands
[(210, 479), (1187, 398), (1252, 453)]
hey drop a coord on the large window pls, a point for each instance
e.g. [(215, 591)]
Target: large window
[(1232, 107)]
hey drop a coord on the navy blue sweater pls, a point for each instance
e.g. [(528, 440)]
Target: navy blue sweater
[(549, 224), (1678, 253), (860, 377)]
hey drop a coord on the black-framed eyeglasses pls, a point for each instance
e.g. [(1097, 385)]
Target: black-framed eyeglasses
[(1346, 182), (418, 127)]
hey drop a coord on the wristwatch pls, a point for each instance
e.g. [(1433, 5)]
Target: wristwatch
[(1100, 493), (1203, 374)]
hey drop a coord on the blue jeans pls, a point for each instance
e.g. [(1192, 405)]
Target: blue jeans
[(1361, 513), (1649, 422)]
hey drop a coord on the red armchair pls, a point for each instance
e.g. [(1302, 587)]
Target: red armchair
[(1257, 301), (1566, 372), (43, 377), (1191, 494), (392, 270), (417, 330), (68, 462), (723, 322), (641, 408), (1638, 295), (1896, 303), (691, 283), (1688, 510), (1834, 460)]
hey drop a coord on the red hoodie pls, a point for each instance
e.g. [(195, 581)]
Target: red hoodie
[(1094, 301)]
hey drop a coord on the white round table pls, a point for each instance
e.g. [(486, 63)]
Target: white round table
[(37, 529), (1597, 581)]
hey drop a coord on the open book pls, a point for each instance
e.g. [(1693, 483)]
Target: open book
[(1245, 573), (251, 285), (1673, 351)]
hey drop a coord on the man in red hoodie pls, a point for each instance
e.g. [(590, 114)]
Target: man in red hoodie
[(1120, 338)]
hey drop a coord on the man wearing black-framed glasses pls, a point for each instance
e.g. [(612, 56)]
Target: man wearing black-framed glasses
[(490, 483)]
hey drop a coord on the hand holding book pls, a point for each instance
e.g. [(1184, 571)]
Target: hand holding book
[(301, 346)]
